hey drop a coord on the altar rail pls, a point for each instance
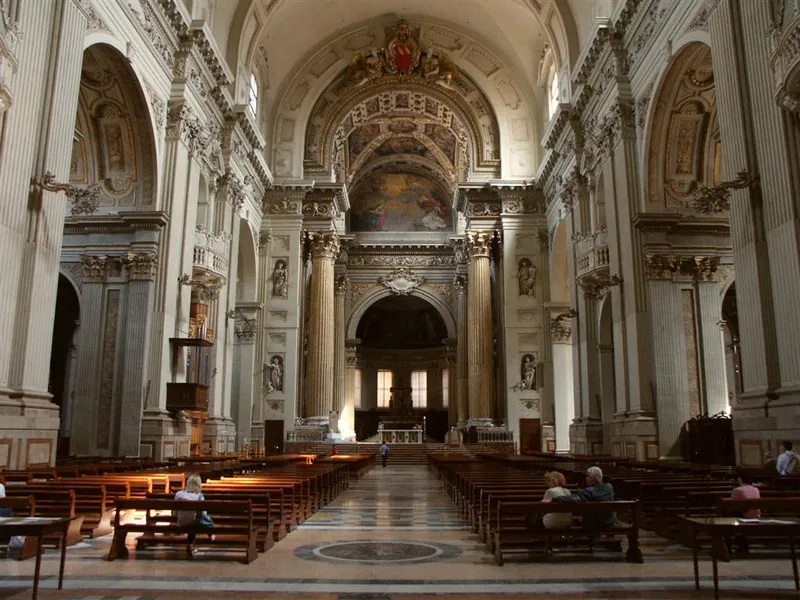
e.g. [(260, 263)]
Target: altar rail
[(400, 436), (306, 435), (487, 436)]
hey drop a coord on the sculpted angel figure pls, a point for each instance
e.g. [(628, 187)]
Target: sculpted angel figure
[(528, 373), (364, 68), (275, 379), (526, 278)]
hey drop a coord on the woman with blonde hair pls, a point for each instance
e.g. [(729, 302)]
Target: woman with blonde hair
[(193, 491), (556, 483)]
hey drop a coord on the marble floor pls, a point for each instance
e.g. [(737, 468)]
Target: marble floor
[(392, 534)]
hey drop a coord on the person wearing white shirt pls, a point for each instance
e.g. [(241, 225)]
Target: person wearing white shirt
[(787, 460)]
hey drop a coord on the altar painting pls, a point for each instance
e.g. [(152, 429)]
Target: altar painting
[(399, 202)]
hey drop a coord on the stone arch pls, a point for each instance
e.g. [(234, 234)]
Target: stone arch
[(684, 121), (377, 293), (505, 118), (114, 143)]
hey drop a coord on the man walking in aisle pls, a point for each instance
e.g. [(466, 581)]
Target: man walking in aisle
[(384, 453)]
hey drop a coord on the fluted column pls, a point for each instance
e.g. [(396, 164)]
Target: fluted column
[(711, 348), (141, 271), (479, 313), (462, 362), (319, 362), (87, 383), (340, 294)]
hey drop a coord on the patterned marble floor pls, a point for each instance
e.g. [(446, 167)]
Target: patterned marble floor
[(391, 535)]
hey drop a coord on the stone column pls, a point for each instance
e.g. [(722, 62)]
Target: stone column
[(87, 383), (451, 349), (342, 283), (479, 313), (711, 347), (563, 394), (461, 397), (347, 416), (321, 327), (141, 271), (670, 371)]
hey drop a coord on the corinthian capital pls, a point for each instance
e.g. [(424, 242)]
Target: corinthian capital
[(704, 268), (479, 244), (341, 284), (140, 266), (661, 266), (460, 284), (323, 244), (94, 268)]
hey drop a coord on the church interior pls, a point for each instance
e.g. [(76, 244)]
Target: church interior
[(384, 275)]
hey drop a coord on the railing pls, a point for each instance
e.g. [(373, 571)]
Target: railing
[(492, 436), (306, 435), (592, 250), (211, 251), (400, 436)]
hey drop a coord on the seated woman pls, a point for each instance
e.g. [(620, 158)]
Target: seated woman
[(747, 491), (193, 492), (555, 488)]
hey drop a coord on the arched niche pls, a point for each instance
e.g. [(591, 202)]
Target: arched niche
[(247, 284), (683, 142), (113, 145), (559, 265), (404, 322), (375, 294)]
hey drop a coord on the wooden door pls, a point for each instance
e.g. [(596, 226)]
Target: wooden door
[(530, 435), (273, 436)]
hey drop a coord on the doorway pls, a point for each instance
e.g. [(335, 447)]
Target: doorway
[(62, 358), (530, 435), (273, 436)]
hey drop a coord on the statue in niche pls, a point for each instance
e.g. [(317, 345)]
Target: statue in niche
[(528, 373), (526, 278), (275, 378), (333, 421), (280, 280)]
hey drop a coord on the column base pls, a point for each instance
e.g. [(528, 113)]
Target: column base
[(634, 436), (219, 434), (29, 425), (586, 436), (761, 427), (165, 435)]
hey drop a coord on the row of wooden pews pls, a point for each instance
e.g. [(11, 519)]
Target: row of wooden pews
[(282, 490), (496, 499)]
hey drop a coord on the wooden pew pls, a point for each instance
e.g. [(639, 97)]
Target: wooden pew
[(512, 534), (162, 529)]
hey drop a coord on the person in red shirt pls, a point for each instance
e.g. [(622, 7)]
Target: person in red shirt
[(333, 450)]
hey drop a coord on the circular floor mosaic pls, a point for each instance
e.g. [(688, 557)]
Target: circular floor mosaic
[(377, 552)]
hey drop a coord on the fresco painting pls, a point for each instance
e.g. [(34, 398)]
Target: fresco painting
[(360, 139), (443, 138), (386, 201)]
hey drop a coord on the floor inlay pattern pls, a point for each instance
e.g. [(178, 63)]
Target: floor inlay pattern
[(372, 552)]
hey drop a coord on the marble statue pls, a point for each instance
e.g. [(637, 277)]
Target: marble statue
[(280, 280), (526, 277), (275, 379), (528, 373)]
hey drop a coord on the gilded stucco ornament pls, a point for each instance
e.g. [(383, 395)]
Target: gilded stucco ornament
[(717, 199), (85, 200), (401, 281)]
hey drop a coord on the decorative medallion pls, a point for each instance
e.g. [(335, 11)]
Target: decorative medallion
[(377, 552), (401, 281)]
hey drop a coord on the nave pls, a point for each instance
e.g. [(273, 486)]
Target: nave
[(392, 533)]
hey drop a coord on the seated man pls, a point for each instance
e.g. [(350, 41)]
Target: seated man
[(596, 491)]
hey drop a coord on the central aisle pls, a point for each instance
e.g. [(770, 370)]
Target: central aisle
[(394, 499)]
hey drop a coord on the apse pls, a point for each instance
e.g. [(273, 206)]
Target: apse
[(401, 323)]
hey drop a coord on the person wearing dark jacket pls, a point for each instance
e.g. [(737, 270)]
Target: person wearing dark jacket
[(596, 491)]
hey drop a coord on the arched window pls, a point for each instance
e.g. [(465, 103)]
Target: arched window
[(252, 95), (552, 92)]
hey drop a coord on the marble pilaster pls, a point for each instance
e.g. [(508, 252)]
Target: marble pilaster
[(479, 312), (87, 384), (341, 285), (324, 247), (461, 398), (140, 269)]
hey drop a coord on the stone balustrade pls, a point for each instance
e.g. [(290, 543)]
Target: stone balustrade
[(592, 250), (400, 436), (211, 252), (306, 434), (495, 435)]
